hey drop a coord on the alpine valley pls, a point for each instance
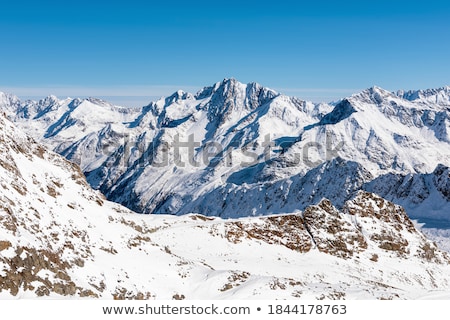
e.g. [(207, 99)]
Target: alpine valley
[(245, 193)]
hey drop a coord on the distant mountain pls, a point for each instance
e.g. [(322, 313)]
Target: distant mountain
[(208, 152), (428, 97), (59, 238)]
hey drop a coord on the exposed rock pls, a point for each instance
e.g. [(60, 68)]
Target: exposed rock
[(4, 245), (287, 230), (332, 232)]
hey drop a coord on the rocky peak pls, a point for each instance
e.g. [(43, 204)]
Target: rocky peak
[(389, 228), (332, 232), (439, 97), (178, 96), (222, 86), (8, 99), (99, 102), (50, 101), (341, 111), (231, 99), (373, 95)]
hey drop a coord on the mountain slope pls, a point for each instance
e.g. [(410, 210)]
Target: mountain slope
[(237, 198), (386, 133)]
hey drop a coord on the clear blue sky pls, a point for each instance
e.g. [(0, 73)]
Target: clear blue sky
[(131, 51)]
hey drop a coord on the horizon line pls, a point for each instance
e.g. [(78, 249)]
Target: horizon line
[(141, 95)]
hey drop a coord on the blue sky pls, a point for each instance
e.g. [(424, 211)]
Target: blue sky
[(133, 51)]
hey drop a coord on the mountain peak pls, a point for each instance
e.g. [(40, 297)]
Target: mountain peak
[(8, 101), (376, 88), (4, 94), (50, 99), (228, 85), (228, 82), (439, 96), (99, 102), (231, 86), (178, 95), (377, 92)]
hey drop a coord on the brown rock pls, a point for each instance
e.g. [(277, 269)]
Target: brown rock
[(4, 245)]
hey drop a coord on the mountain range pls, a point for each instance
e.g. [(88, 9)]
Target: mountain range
[(208, 152)]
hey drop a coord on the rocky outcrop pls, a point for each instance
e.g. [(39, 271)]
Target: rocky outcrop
[(368, 225), (332, 232), (288, 231)]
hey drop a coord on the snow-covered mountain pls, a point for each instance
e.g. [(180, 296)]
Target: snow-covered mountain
[(61, 123), (293, 194), (59, 237), (212, 151), (120, 157), (428, 97)]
